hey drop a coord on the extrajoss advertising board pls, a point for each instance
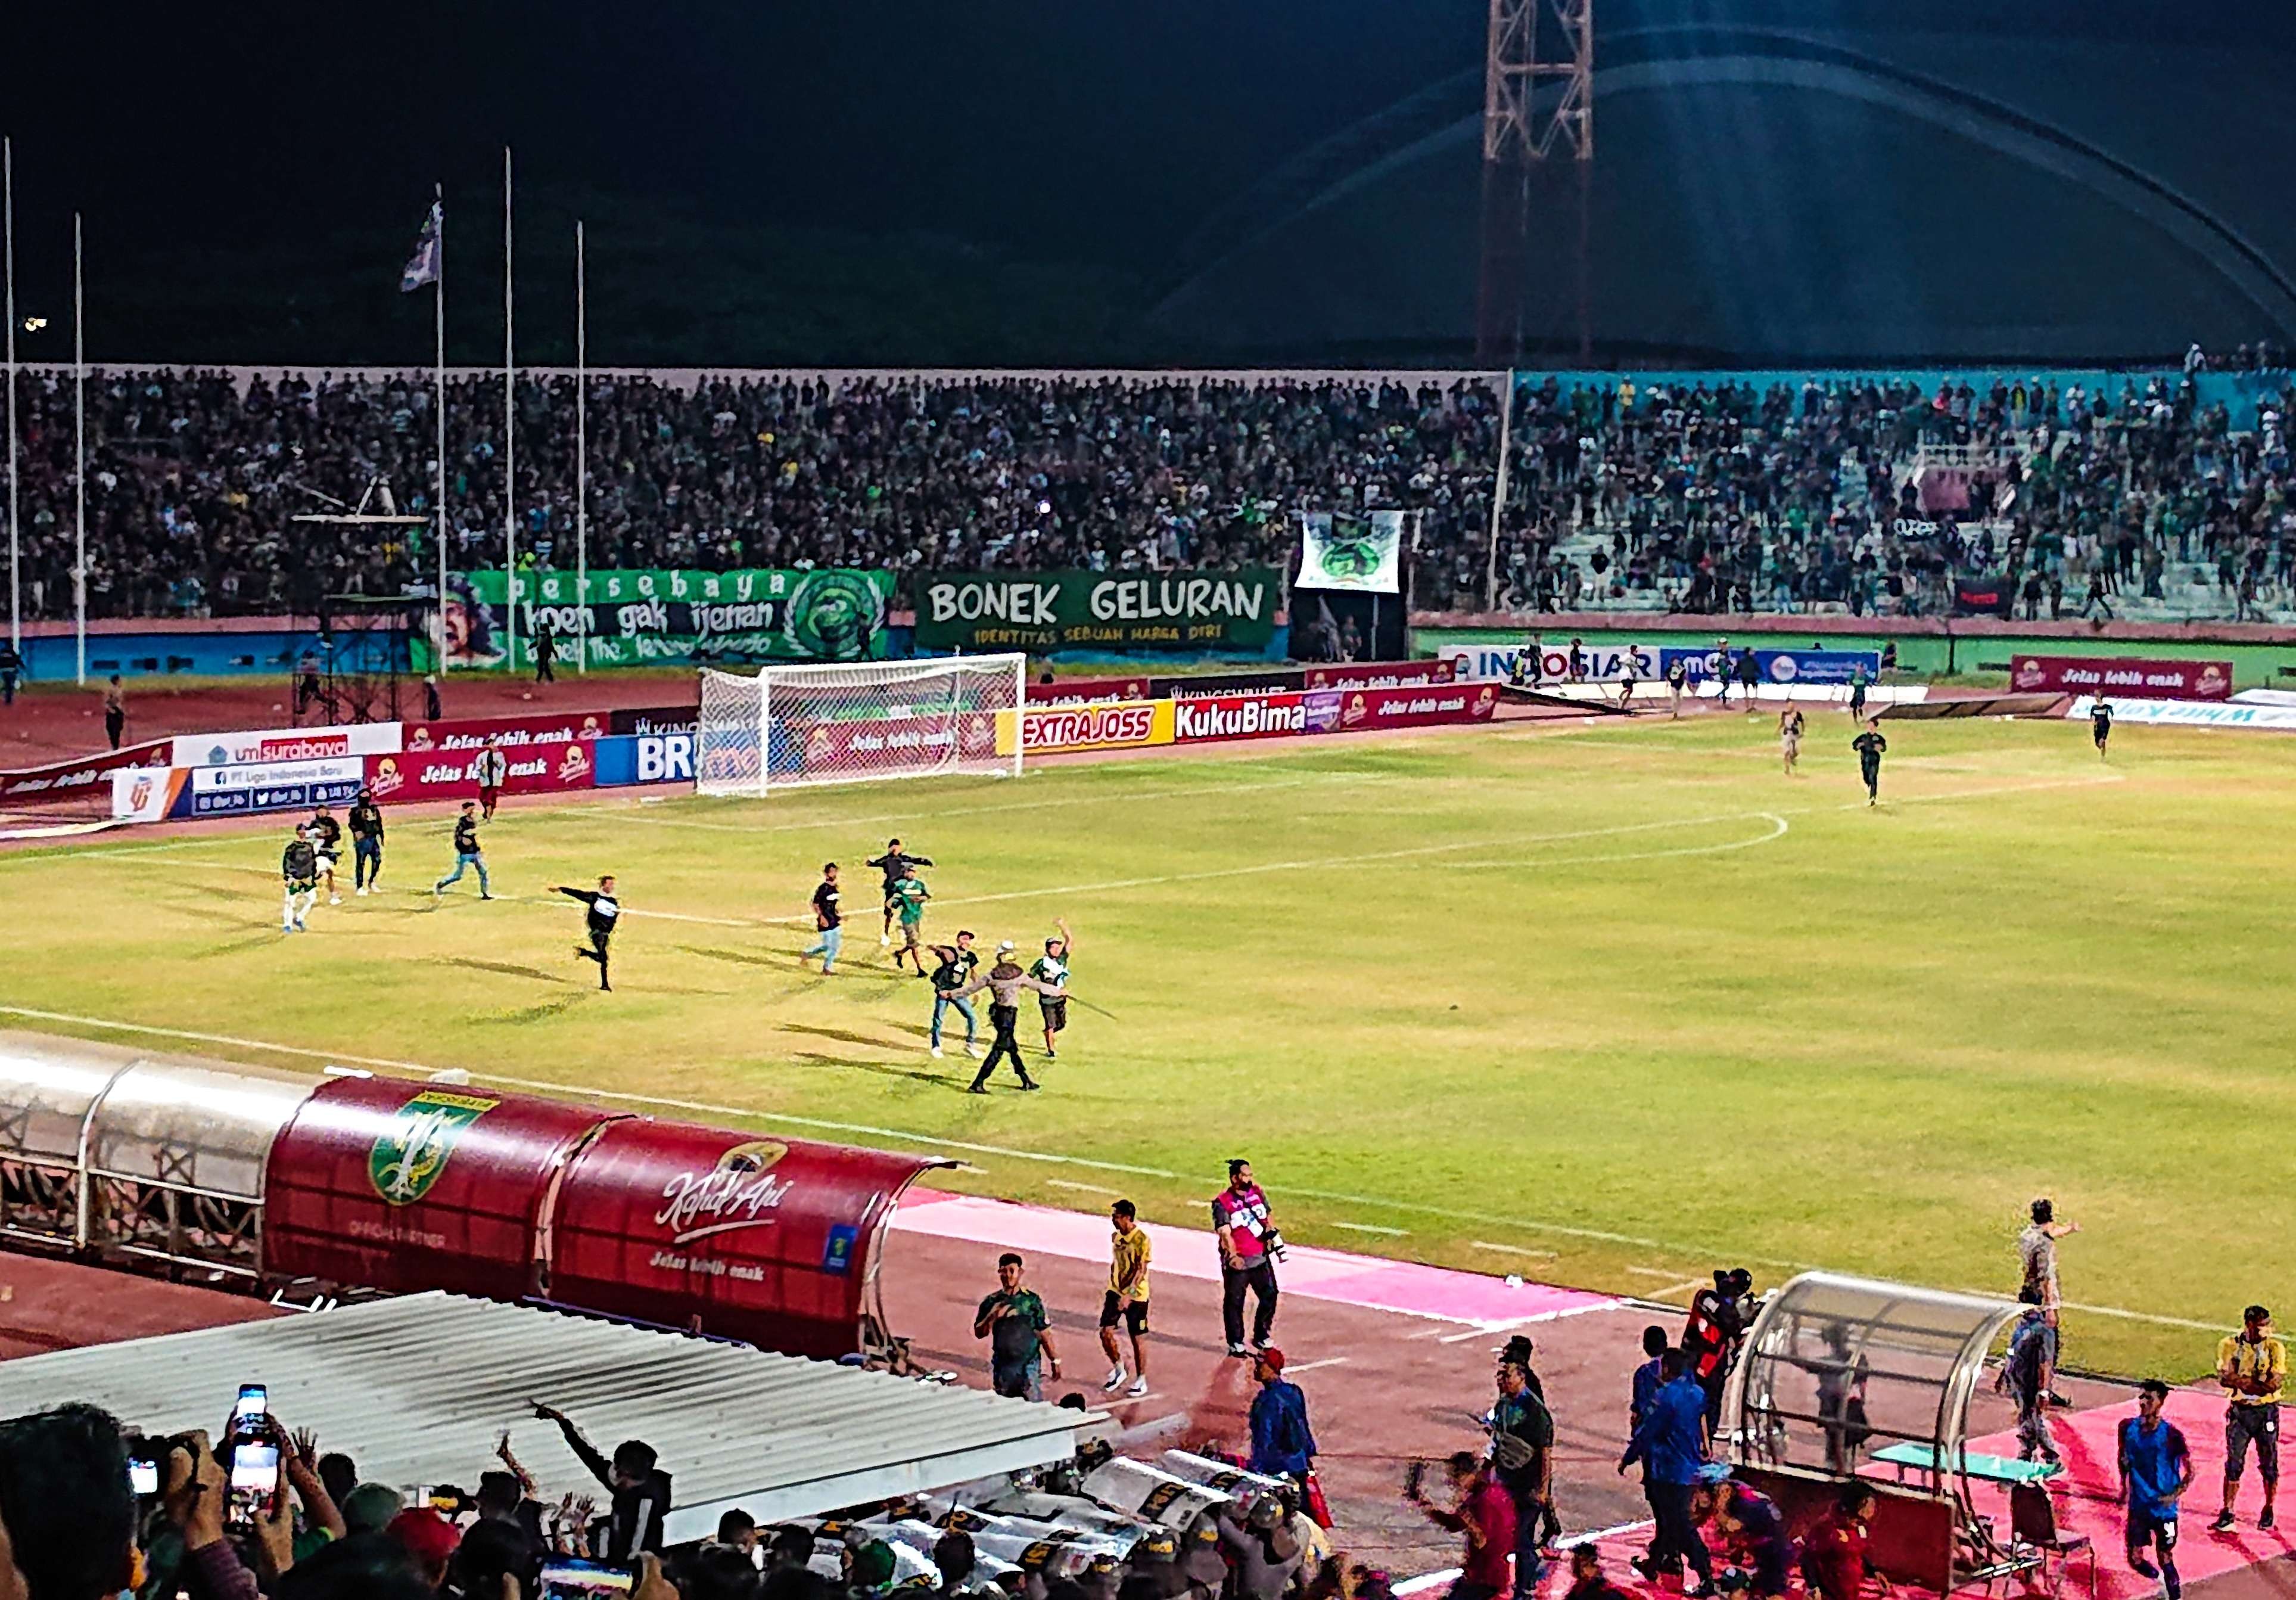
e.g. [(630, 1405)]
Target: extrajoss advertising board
[(1113, 724), (2164, 679)]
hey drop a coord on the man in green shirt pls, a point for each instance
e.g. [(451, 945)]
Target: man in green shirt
[(1869, 746), (907, 900), (1014, 1322), (1052, 970)]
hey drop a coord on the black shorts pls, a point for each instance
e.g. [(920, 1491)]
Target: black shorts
[(2145, 1528), (2258, 1425), (1132, 1316), (1056, 1010)]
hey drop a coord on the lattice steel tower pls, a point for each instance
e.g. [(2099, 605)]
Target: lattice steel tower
[(1538, 153)]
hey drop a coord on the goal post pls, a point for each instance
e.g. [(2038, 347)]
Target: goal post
[(790, 727)]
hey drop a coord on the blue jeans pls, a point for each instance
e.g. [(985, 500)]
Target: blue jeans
[(1528, 1566), (964, 1008), (366, 862), (831, 940), (462, 861)]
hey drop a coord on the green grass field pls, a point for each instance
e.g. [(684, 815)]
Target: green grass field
[(1609, 1006)]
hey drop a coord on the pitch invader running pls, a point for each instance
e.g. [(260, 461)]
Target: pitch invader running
[(298, 868), (894, 863)]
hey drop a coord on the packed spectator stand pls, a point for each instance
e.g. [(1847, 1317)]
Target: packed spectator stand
[(2132, 496)]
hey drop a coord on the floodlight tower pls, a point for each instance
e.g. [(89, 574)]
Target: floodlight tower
[(1539, 152)]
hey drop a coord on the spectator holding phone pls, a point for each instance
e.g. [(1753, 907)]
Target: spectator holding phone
[(640, 1489)]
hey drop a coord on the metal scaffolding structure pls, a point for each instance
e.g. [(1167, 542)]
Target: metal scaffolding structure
[(1538, 153)]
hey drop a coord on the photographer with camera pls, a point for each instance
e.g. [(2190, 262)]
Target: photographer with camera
[(1482, 1509), (1248, 1248)]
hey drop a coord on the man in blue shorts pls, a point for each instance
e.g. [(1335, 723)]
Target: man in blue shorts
[(2155, 1471)]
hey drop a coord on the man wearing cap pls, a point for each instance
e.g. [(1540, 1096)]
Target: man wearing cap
[(366, 843), (1013, 1320), (1716, 1327), (2251, 1365), (2037, 1257), (1005, 981), (1250, 1247), (1521, 1456), (429, 1537), (2156, 1468), (1282, 1446)]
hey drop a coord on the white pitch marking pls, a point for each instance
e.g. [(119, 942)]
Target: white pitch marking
[(1510, 1249), (1313, 1365), (1372, 1228), (1061, 1183)]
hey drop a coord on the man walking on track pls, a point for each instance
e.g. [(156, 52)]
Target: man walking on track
[(1522, 1454), (1013, 1320), (493, 771), (828, 922), (1250, 1247), (1870, 746), (1127, 1301), (2036, 1255), (2156, 1468), (1004, 982), (1671, 1439), (2251, 1365), (115, 710), (605, 911), (466, 854), (545, 654)]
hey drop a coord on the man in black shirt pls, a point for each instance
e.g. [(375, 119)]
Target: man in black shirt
[(894, 864), (11, 665), (605, 911), (326, 837), (298, 868), (641, 1490), (466, 853), (828, 921), (954, 971), (1869, 746), (366, 842), (545, 654), (2100, 723)]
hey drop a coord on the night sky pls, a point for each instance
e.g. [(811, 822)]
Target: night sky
[(230, 157)]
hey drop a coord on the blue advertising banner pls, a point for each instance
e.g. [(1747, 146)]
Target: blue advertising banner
[(1781, 666)]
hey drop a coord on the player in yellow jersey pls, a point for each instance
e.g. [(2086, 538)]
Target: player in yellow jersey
[(1126, 1300)]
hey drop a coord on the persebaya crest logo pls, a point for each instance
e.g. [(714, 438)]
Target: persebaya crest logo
[(411, 1154), (833, 615), (1355, 556)]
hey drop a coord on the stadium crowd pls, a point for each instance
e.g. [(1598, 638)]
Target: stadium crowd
[(1869, 494)]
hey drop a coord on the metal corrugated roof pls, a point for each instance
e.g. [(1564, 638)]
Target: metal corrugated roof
[(418, 1389)]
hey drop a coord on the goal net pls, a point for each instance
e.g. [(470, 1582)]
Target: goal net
[(789, 725)]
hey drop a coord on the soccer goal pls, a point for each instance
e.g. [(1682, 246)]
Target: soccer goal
[(791, 725)]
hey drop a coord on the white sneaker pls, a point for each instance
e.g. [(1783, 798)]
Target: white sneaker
[(1114, 1381), (936, 1050), (1139, 1388), (884, 940), (362, 892), (974, 1050), (334, 900)]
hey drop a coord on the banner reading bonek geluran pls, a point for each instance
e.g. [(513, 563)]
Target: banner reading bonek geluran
[(634, 618), (1098, 611)]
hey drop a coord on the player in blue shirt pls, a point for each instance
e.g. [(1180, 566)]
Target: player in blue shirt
[(2155, 1471)]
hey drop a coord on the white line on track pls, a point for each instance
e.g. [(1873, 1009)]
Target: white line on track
[(974, 1147)]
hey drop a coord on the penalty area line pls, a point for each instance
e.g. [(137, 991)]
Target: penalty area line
[(975, 1147)]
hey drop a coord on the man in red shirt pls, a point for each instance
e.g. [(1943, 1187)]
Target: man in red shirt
[(1484, 1512), (1834, 1563)]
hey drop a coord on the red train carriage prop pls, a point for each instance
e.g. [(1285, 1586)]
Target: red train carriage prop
[(359, 1184)]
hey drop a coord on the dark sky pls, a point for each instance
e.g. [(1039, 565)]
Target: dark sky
[(1044, 130)]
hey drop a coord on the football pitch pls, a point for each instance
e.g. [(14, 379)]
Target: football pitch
[(1606, 1006)]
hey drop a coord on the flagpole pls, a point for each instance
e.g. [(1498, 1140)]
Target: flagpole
[(581, 456), (79, 458), (8, 245), (439, 406), (510, 437)]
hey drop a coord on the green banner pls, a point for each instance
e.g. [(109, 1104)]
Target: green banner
[(988, 612), (640, 617)]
